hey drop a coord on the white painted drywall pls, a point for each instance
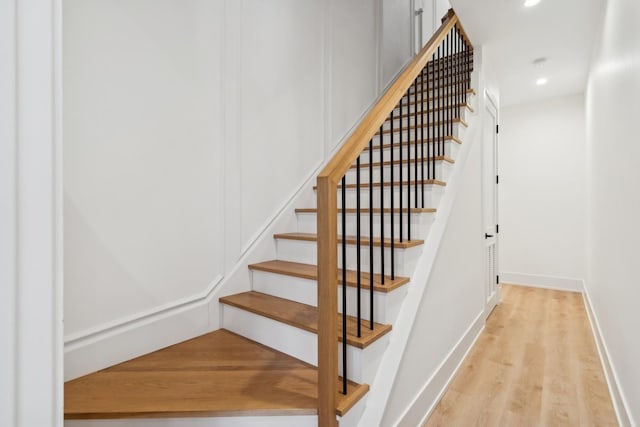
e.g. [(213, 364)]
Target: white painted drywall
[(612, 109), (189, 126), (441, 9), (397, 35), (282, 105), (453, 298), (353, 61), (8, 219), (542, 191), (143, 172)]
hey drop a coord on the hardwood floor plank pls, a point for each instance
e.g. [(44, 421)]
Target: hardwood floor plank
[(217, 374), (535, 364)]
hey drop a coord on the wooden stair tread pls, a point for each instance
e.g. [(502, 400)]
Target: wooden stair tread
[(428, 141), (395, 184), (302, 316), (351, 240), (216, 374), (375, 210), (405, 161), (310, 271), (424, 125)]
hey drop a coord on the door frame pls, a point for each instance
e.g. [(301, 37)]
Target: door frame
[(31, 264), (491, 299)]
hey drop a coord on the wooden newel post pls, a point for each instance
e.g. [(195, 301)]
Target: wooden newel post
[(327, 301)]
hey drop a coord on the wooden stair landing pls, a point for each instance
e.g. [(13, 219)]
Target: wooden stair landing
[(217, 374)]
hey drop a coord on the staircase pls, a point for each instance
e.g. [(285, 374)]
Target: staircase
[(324, 309)]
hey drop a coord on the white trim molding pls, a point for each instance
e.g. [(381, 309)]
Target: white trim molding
[(30, 214), (541, 281), (437, 385), (620, 403)]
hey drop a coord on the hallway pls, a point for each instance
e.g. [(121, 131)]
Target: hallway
[(535, 364)]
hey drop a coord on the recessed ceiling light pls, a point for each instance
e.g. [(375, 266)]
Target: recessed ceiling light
[(531, 3), (541, 81)]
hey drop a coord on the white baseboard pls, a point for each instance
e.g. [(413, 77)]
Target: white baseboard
[(250, 421), (89, 354), (437, 385), (619, 401), (541, 281)]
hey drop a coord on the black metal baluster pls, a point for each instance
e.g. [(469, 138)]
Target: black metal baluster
[(358, 267), (391, 203), (344, 287), (415, 148), (371, 227), (441, 100), (429, 102), (415, 107), (382, 204), (458, 77), (401, 173), (434, 119), (466, 70), (439, 123), (449, 86), (422, 130)]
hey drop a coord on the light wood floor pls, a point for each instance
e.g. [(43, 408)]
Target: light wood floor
[(217, 374), (535, 364)]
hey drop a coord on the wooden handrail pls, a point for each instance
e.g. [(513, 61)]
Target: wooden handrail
[(327, 183)]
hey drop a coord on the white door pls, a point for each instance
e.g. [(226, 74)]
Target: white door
[(490, 202)]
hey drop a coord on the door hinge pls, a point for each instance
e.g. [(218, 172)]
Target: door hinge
[(497, 279), (497, 128), (497, 228)]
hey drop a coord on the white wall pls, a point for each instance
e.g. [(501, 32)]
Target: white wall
[(452, 301), (397, 35), (189, 126), (142, 170), (542, 193), (612, 109)]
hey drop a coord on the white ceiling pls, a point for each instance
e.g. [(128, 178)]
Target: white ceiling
[(563, 31)]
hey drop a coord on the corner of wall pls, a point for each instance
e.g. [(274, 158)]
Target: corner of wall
[(620, 403)]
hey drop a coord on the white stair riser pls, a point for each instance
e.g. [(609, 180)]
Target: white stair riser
[(307, 253), (450, 149), (293, 288), (432, 195), (458, 131), (442, 171), (362, 366), (427, 118), (386, 304), (420, 224), (301, 344)]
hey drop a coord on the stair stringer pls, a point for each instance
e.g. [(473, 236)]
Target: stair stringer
[(381, 387)]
